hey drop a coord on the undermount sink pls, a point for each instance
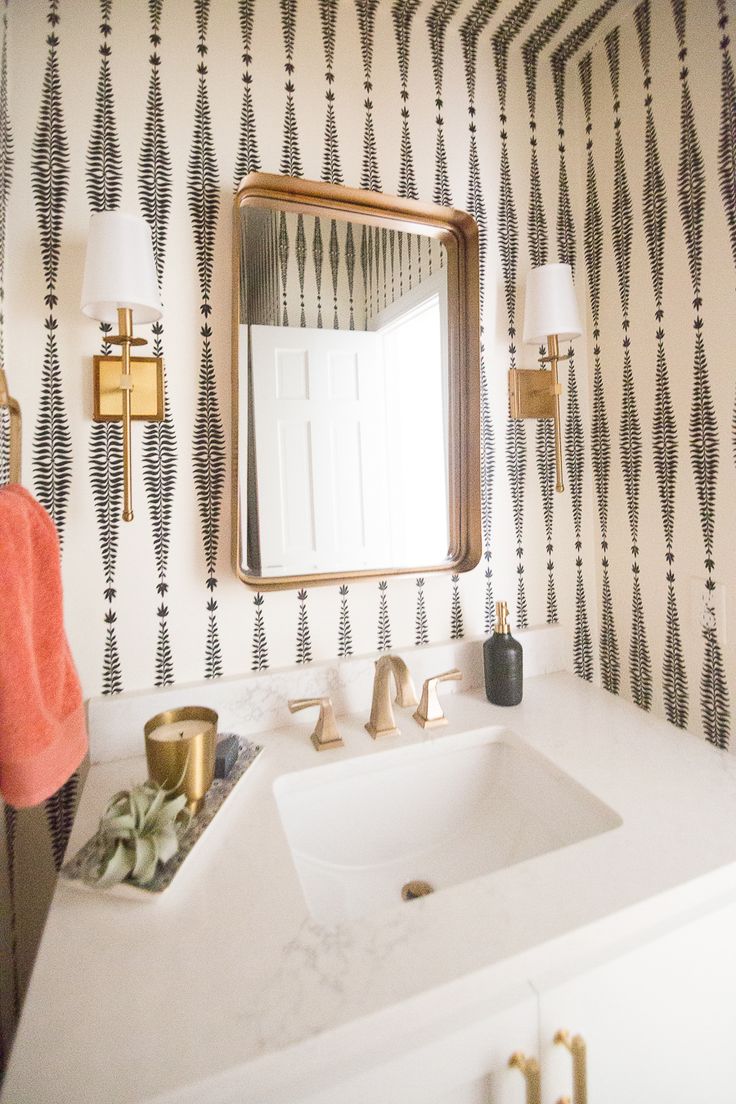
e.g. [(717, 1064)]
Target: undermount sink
[(441, 812)]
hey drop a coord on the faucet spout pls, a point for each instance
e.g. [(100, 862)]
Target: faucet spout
[(382, 722)]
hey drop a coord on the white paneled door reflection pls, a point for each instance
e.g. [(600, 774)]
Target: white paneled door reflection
[(321, 450), (414, 350)]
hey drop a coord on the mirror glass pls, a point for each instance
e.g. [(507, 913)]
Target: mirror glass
[(344, 393)]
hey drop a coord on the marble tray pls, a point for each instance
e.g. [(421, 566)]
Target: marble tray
[(85, 860)]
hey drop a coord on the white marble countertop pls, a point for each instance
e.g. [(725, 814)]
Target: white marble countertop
[(224, 988)]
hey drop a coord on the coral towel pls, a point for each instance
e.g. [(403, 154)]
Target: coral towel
[(43, 735)]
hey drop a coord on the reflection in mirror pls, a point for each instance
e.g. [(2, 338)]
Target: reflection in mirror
[(356, 380), (343, 342)]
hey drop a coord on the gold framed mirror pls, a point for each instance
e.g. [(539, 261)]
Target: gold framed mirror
[(356, 385)]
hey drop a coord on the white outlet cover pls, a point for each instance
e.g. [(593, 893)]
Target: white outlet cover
[(708, 607)]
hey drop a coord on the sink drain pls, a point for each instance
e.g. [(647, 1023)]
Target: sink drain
[(415, 889)]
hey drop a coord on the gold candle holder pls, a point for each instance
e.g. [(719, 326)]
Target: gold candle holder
[(181, 745)]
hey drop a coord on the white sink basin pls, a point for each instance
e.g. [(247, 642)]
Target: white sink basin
[(443, 811)]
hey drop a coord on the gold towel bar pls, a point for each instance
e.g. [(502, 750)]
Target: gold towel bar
[(15, 424)]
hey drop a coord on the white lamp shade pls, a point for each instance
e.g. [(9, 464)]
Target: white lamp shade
[(551, 306), (120, 270)]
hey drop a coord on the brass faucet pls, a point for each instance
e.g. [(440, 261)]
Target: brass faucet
[(382, 722)]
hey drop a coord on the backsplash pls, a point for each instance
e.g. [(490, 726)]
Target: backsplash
[(253, 703)]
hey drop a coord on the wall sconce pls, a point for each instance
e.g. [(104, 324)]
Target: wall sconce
[(550, 315), (120, 285)]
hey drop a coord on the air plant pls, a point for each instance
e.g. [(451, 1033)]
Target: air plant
[(139, 829)]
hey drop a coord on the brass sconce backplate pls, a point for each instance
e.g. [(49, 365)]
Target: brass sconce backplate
[(530, 393), (147, 392), (535, 393)]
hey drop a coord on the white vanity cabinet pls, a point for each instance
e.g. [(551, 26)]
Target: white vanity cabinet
[(658, 1017), (658, 1020), (465, 1066)]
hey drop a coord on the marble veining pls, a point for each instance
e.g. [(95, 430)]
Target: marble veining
[(256, 702)]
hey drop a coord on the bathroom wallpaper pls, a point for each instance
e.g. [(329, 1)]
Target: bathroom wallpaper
[(572, 130), (162, 107), (659, 133)]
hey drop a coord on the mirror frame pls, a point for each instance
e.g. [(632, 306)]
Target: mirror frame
[(458, 232)]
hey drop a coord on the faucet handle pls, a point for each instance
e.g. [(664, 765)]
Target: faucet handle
[(325, 733), (430, 714)]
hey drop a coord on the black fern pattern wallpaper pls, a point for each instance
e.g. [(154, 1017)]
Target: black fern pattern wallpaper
[(302, 75), (104, 183), (159, 438), (658, 236), (597, 132)]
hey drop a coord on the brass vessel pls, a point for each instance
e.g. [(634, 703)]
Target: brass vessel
[(187, 761)]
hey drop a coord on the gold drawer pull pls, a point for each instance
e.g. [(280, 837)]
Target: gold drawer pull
[(577, 1048), (529, 1068)]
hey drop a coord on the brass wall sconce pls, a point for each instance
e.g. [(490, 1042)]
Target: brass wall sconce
[(120, 284), (550, 315)]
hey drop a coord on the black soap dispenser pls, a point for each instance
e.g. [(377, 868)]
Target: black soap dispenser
[(503, 662)]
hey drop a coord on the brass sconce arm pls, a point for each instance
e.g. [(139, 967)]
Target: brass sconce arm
[(554, 357), (13, 408), (128, 389), (125, 339)]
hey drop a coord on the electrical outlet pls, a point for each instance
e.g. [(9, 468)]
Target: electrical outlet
[(708, 606)]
